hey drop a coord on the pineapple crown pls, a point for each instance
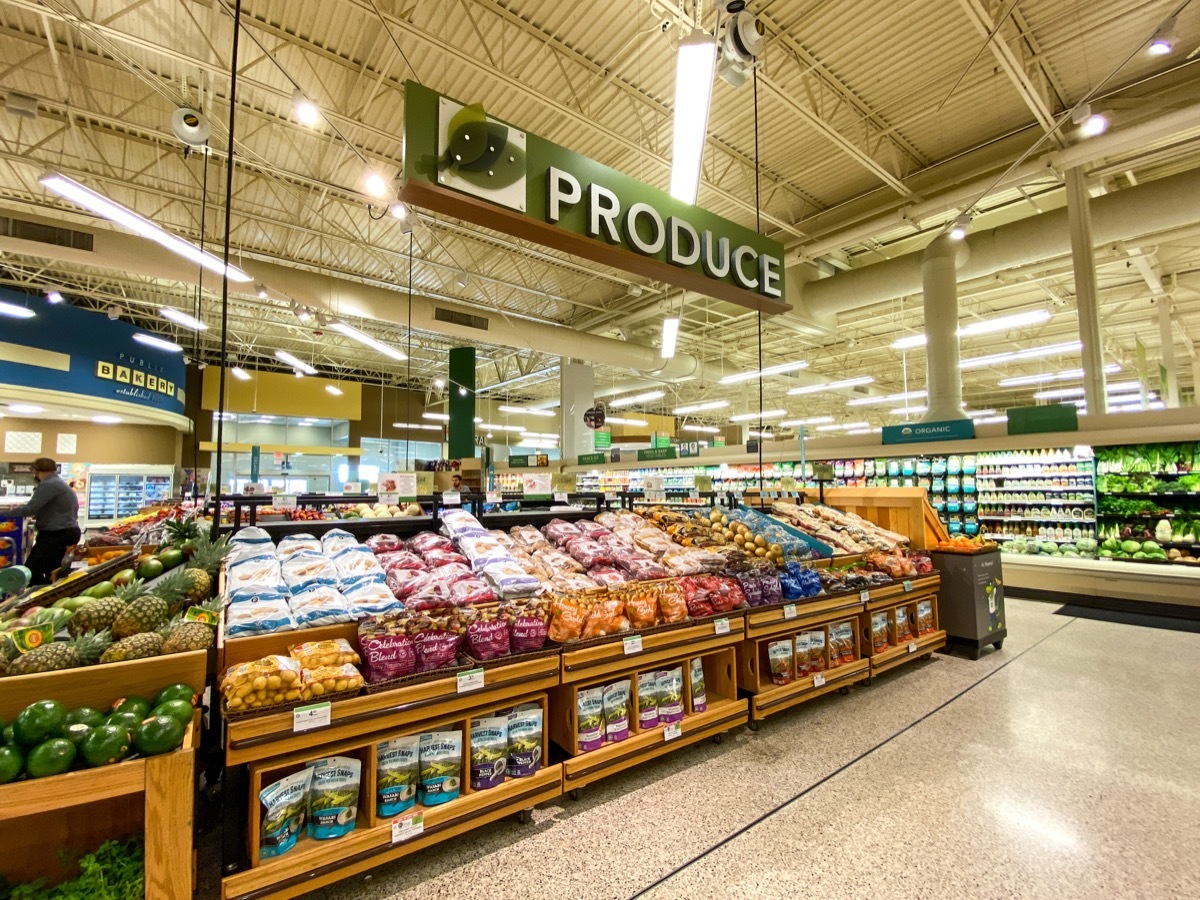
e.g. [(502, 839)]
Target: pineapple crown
[(90, 646), (131, 591), (172, 587), (209, 554)]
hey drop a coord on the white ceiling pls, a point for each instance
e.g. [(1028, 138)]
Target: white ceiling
[(864, 109)]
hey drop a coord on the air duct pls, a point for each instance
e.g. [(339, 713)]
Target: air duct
[(1132, 213), (943, 380)]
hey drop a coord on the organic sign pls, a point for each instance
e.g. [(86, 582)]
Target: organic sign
[(953, 430), (462, 162)]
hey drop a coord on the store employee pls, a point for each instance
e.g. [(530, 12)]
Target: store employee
[(55, 510)]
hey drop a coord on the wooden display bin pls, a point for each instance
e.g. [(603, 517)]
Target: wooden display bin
[(902, 510), (902, 648), (314, 863), (79, 811), (606, 663)]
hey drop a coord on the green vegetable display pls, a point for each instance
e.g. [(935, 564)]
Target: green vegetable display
[(116, 871)]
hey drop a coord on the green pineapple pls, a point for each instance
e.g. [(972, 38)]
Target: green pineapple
[(199, 587), (147, 613), (180, 530), (182, 636), (139, 646), (95, 615), (172, 588), (209, 555), (81, 651)]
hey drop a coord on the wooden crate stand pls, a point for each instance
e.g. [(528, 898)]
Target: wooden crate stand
[(901, 649), (79, 811), (902, 510), (603, 664)]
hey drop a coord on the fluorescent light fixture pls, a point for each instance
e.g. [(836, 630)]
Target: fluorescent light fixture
[(637, 398), (859, 431), (702, 429), (439, 383), (700, 407), (979, 362), (330, 389), (910, 411), (765, 435), (539, 445), (260, 291), (520, 410), (492, 426), (770, 370), (240, 374), (25, 409), (961, 224), (1137, 407), (1065, 375), (128, 219), (829, 428), (365, 339), (670, 335), (1163, 40), (1115, 388), (440, 417), (832, 385), (417, 426), (55, 297), (375, 184), (15, 311), (477, 419), (852, 425), (617, 420), (181, 318), (755, 416), (159, 343), (812, 420), (985, 326), (694, 63), (991, 420), (980, 413), (550, 436), (304, 424), (295, 363), (307, 112), (890, 398), (908, 343)]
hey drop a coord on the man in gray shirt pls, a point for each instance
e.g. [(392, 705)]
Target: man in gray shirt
[(55, 510)]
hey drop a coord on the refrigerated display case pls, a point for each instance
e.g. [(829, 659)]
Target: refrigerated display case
[(116, 492)]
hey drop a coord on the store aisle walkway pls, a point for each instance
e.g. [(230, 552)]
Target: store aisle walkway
[(1063, 765)]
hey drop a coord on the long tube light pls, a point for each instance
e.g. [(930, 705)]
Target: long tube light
[(832, 385), (416, 427), (637, 398), (694, 64), (890, 398), (844, 426), (1065, 375), (520, 410), (492, 426), (985, 326), (182, 318), (1115, 388), (440, 417), (617, 420), (755, 416), (700, 407), (240, 374), (702, 429), (540, 434), (670, 336), (128, 219), (15, 311), (812, 420), (770, 370), (365, 339), (979, 362), (294, 362), (160, 343)]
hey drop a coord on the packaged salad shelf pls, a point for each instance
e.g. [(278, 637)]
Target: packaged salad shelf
[(77, 811)]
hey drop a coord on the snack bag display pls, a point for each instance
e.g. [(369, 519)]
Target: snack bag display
[(670, 695), (285, 805), (925, 617), (333, 796), (879, 632), (780, 657), (590, 711), (397, 766), (440, 777), (647, 691), (489, 752), (616, 711), (525, 741), (696, 684)]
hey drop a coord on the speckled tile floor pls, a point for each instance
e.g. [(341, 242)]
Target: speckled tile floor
[(1064, 764)]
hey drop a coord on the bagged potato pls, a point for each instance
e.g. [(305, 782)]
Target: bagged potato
[(336, 652), (325, 680), (270, 681)]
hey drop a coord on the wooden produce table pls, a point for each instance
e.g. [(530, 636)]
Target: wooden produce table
[(604, 663), (773, 623), (78, 811), (263, 748), (902, 510), (887, 599)]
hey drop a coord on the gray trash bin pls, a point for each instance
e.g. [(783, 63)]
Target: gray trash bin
[(971, 599)]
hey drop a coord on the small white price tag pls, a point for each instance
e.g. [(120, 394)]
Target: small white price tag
[(864, 595), (721, 626), (818, 680), (470, 680), (306, 718), (907, 586), (694, 495), (407, 827), (284, 501), (633, 644), (789, 611), (611, 496), (912, 646), (452, 498), (493, 497), (560, 497), (672, 731)]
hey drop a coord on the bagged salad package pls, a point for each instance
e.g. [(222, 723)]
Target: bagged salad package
[(285, 804), (333, 796), (397, 765), (489, 751), (525, 741), (441, 767)]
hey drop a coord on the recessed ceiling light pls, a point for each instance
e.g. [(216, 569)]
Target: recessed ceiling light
[(106, 420)]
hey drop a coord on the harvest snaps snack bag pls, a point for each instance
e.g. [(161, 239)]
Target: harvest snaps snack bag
[(489, 751), (333, 796), (284, 806), (441, 767), (397, 767)]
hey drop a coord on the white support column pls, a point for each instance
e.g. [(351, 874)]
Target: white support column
[(1079, 220), (577, 394), (943, 378), (1170, 390)]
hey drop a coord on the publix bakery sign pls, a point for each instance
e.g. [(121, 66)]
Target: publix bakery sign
[(953, 430), (460, 161)]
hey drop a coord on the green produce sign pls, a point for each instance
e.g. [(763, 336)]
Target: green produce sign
[(656, 453), (460, 161), (602, 440), (954, 430), (591, 459), (519, 462), (1037, 419)]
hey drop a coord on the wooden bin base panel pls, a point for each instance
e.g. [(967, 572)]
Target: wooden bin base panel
[(779, 697), (908, 651), (314, 864), (721, 716)]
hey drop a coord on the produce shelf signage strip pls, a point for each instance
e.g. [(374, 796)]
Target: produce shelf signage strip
[(462, 162), (656, 453), (955, 430)]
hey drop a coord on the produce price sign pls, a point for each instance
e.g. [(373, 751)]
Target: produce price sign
[(403, 484), (633, 644), (907, 586), (721, 626), (451, 498), (318, 715), (672, 731), (408, 826), (493, 497), (864, 595), (818, 680), (561, 497), (789, 611), (284, 501), (470, 680), (912, 646), (391, 499)]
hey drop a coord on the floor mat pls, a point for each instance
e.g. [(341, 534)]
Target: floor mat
[(1144, 620)]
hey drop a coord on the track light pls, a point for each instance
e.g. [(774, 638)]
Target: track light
[(1090, 123), (376, 185), (398, 211), (261, 290), (961, 224), (461, 280), (307, 112), (54, 297), (1163, 41), (439, 383)]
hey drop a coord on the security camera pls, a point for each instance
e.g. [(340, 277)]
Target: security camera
[(742, 42)]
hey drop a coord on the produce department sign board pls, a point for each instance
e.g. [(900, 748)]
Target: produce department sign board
[(459, 161)]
